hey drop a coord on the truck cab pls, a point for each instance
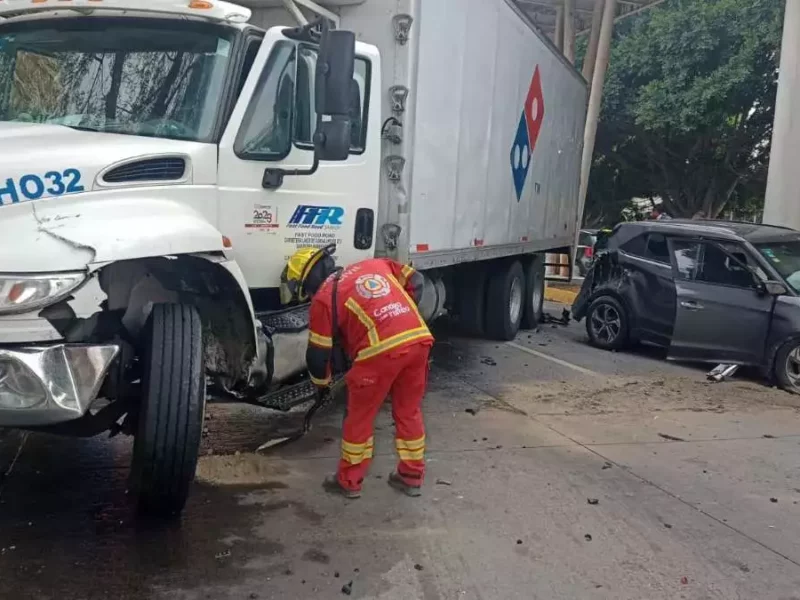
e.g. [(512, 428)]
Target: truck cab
[(157, 168)]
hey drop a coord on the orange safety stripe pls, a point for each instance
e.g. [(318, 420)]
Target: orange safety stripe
[(372, 332), (322, 341)]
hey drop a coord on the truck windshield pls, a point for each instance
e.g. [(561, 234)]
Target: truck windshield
[(115, 75), (785, 258)]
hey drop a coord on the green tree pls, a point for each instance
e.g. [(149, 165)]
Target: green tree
[(689, 104)]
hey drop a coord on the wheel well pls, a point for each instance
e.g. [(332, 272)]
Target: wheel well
[(133, 287)]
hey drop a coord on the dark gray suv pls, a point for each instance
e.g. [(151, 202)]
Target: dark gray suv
[(709, 291)]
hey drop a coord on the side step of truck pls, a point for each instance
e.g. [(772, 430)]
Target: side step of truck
[(288, 397)]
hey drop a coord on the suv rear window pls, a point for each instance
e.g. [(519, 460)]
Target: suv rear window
[(652, 246)]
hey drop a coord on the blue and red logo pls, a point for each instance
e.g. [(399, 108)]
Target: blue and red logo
[(530, 125)]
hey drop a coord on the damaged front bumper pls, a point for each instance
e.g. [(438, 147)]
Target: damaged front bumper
[(47, 385)]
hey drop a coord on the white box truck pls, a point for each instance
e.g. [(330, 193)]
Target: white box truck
[(160, 160)]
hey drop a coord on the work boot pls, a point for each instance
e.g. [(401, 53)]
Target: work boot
[(332, 486), (397, 483)]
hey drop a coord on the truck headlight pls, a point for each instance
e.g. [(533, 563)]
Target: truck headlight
[(24, 293)]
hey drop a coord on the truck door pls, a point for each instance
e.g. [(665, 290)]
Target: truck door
[(721, 315), (272, 126)]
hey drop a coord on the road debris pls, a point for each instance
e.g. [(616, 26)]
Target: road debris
[(487, 360), (336, 574), (667, 525), (472, 411), (443, 482), (587, 537), (607, 465), (519, 542), (347, 588), (685, 580), (221, 555), (671, 438), (768, 436), (564, 320), (773, 500), (593, 501), (419, 567), (722, 372)]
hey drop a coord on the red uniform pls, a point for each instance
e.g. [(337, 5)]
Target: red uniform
[(389, 343)]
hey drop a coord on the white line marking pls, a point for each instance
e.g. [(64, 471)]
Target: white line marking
[(558, 361)]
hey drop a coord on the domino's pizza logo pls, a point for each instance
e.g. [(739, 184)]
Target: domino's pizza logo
[(530, 125)]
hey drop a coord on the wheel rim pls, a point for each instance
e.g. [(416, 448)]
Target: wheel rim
[(515, 304), (792, 367), (606, 325)]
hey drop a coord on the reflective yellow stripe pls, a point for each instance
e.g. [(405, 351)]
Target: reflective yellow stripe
[(411, 455), (372, 333), (394, 342), (320, 340), (410, 301), (356, 448), (320, 382), (355, 454), (410, 444), (405, 274)]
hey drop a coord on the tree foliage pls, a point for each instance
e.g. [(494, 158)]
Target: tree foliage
[(688, 106)]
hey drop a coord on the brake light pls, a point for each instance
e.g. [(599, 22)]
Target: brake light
[(588, 252)]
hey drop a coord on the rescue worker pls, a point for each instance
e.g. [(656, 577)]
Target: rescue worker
[(369, 311)]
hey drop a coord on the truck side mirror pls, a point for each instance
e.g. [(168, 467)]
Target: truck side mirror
[(332, 139), (335, 70)]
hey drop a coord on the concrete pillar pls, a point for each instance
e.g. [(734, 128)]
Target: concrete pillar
[(559, 35), (569, 30), (595, 101), (594, 37), (782, 204)]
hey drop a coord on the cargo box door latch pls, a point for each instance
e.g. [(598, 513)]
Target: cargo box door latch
[(394, 167), (402, 28), (398, 94)]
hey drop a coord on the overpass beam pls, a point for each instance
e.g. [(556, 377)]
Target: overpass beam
[(782, 203)]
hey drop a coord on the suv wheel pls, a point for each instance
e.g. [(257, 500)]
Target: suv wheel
[(172, 410), (787, 367), (607, 324)]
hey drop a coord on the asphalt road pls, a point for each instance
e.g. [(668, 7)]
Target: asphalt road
[(581, 474)]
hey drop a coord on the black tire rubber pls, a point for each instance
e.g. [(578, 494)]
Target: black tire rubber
[(780, 367), (623, 337), (172, 410), (534, 276), (498, 298), (471, 300)]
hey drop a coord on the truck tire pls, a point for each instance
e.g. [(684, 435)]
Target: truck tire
[(505, 301), (534, 293), (172, 410), (472, 300)]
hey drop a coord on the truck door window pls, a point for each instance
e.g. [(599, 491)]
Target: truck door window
[(266, 133), (283, 110), (306, 115)]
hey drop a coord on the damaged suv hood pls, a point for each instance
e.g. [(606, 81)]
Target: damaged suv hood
[(56, 213)]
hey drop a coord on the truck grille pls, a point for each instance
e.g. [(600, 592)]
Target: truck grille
[(153, 169)]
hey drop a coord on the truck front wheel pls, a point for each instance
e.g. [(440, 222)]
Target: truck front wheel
[(172, 410), (505, 301)]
